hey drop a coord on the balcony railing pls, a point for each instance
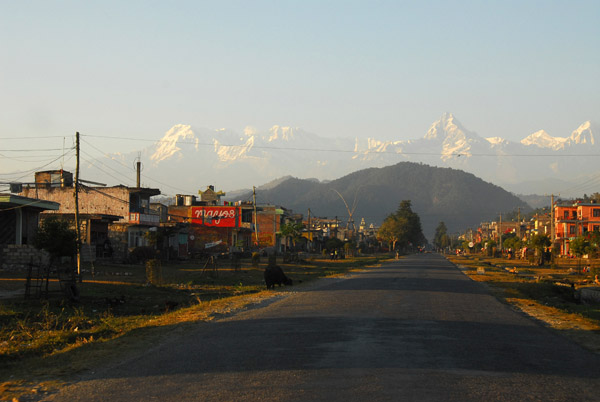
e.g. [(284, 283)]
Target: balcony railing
[(144, 219)]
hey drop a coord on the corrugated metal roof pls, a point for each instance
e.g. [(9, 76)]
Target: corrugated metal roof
[(17, 200)]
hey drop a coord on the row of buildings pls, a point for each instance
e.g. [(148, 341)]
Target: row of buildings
[(564, 223), (116, 220)]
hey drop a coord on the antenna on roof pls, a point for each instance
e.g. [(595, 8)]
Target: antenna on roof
[(62, 162)]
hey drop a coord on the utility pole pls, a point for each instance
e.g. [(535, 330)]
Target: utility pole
[(255, 215), (77, 228), (552, 234), (309, 232), (519, 224), (500, 234)]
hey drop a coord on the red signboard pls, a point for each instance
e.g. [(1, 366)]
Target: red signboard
[(227, 217)]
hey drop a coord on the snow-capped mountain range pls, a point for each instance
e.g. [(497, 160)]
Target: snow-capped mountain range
[(191, 158)]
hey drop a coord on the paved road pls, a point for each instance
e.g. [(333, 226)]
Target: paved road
[(414, 330)]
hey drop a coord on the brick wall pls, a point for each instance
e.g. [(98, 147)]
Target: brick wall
[(268, 225), (117, 234), (106, 200), (18, 257)]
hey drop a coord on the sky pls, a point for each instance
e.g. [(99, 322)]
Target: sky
[(382, 69)]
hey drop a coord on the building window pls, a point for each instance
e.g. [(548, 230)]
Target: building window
[(246, 216), (596, 228), (572, 229), (596, 212), (137, 239), (566, 214)]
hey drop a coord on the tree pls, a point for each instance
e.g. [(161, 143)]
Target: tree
[(350, 248), (539, 243), (440, 239), (580, 246), (333, 243), (292, 230), (56, 237), (489, 246), (510, 240), (402, 228), (391, 231), (594, 238), (414, 231)]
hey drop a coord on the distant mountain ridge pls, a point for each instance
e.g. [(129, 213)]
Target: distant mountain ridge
[(191, 158), (459, 199)]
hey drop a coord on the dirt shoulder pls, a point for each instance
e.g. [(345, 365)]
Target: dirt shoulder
[(31, 376), (548, 301), (35, 377)]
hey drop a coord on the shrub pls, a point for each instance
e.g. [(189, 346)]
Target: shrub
[(141, 254), (56, 237)]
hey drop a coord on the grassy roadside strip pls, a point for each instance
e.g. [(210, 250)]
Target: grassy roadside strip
[(42, 375), (62, 341), (547, 301)]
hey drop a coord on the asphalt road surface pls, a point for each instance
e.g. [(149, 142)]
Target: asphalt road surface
[(416, 329)]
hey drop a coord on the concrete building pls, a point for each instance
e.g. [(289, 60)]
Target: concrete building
[(573, 220), (19, 221), (120, 214)]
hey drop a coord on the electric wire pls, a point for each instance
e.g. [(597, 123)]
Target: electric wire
[(168, 185), (588, 184), (103, 193), (147, 177), (22, 158), (103, 171), (94, 159), (367, 152), (583, 185), (32, 150), (37, 169), (106, 155), (32, 138)]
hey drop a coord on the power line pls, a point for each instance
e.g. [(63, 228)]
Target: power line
[(147, 177), (104, 194), (208, 144), (32, 138), (31, 150), (21, 157), (36, 169), (595, 181), (103, 171), (105, 165), (105, 154), (366, 152), (168, 185)]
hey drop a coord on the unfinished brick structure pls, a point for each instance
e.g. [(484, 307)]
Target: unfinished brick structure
[(120, 214), (19, 220)]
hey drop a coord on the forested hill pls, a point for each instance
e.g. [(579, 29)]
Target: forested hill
[(459, 199)]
